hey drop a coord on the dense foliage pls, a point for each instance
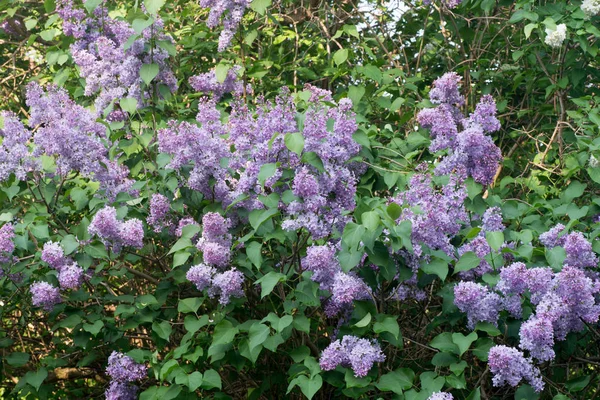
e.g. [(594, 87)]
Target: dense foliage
[(299, 199)]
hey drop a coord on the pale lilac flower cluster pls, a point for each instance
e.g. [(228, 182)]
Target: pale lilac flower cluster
[(577, 247), (70, 275), (470, 151), (207, 83), (123, 370), (448, 3), (15, 157), (478, 302), (509, 366), (228, 158), (491, 222), (159, 210), (115, 233), (7, 246), (70, 134), (351, 351), (14, 27), (109, 61), (231, 12), (441, 396), (435, 213), (45, 295), (345, 288), (223, 284), (215, 243)]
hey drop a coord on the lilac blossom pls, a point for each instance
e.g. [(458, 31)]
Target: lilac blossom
[(122, 368), (15, 157), (551, 238), (70, 276), (579, 251), (121, 391), (477, 302), (226, 285), (7, 233), (45, 295), (230, 12), (537, 336), (359, 354), (470, 151), (116, 233), (492, 220), (345, 290), (323, 263), (441, 396), (215, 242), (159, 210), (481, 248), (53, 255), (207, 83), (201, 275), (509, 366), (435, 213), (108, 61)]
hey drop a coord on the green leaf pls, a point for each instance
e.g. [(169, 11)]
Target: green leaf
[(129, 104), (260, 6), (294, 142), (152, 6), (254, 253), (257, 334), (268, 282), (463, 342), (309, 387), (388, 324), (366, 320), (468, 261), (555, 257), (529, 28), (181, 244), (162, 329), (340, 56), (94, 328), (69, 244), (370, 220), (149, 72), (91, 5), (17, 359), (266, 171), (495, 239), (258, 217), (36, 378), (396, 381), (355, 93), (224, 333), (444, 342), (193, 324), (578, 384), (189, 305), (221, 71), (436, 267), (313, 159), (488, 328), (211, 380)]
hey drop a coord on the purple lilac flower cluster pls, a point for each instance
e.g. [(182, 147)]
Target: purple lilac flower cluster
[(208, 84), (470, 151), (15, 157), (109, 61), (441, 396), (351, 351), (70, 134), (435, 213), (223, 284), (491, 222), (45, 295), (115, 233), (233, 10), (183, 222), (123, 370), (345, 288), (70, 275), (159, 212), (7, 233), (509, 366), (215, 243), (320, 191), (478, 302)]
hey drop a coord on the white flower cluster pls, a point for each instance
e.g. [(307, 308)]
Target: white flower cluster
[(555, 38), (590, 7)]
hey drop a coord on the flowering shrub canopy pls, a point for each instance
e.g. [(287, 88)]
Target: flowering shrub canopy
[(280, 199)]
